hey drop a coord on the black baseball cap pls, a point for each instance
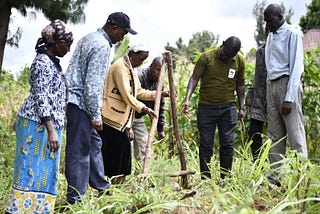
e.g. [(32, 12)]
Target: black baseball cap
[(121, 20)]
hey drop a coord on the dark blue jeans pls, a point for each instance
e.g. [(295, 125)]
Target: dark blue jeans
[(225, 117), (84, 164)]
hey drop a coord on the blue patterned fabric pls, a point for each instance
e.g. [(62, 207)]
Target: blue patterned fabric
[(87, 71), (36, 170), (47, 92)]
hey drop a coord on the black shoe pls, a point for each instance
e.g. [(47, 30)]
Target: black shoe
[(73, 200), (104, 192), (205, 175), (223, 183), (274, 180)]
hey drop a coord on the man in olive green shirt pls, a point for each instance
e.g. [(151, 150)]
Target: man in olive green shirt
[(222, 72)]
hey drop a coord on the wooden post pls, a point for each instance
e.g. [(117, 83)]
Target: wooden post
[(154, 121), (184, 178), (170, 132)]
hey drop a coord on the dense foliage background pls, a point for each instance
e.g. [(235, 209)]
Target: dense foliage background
[(247, 190)]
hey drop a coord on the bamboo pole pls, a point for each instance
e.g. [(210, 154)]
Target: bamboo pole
[(184, 178), (154, 121)]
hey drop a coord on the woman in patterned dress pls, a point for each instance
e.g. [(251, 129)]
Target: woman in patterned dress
[(40, 122)]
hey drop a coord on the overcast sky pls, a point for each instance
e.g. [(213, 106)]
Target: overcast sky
[(157, 22)]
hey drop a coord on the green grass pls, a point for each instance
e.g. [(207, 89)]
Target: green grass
[(247, 189)]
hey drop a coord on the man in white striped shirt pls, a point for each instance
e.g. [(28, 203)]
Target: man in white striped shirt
[(284, 62)]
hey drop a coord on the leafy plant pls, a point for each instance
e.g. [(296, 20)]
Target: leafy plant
[(311, 100)]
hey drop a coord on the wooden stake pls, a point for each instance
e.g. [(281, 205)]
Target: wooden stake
[(184, 178), (181, 173), (170, 132), (166, 63), (154, 121)]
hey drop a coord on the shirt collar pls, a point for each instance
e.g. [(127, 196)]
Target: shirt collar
[(105, 35), (219, 54), (127, 62), (55, 61), (282, 28)]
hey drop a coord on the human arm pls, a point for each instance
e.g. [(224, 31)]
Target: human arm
[(41, 74), (192, 84), (296, 68), (94, 82), (240, 88), (161, 120), (129, 87)]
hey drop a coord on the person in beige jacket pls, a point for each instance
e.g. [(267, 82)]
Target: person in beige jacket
[(122, 88)]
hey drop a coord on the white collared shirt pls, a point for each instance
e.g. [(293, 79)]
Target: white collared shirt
[(284, 56)]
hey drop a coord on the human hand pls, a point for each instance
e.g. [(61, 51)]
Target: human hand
[(53, 141), (97, 125), (185, 107), (131, 134), (161, 135), (286, 107), (165, 94), (241, 114), (150, 112)]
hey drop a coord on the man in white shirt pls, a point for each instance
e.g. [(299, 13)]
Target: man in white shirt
[(284, 62)]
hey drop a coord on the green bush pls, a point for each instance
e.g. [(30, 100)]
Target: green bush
[(13, 93)]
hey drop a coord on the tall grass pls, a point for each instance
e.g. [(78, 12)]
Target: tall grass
[(12, 96), (247, 189)]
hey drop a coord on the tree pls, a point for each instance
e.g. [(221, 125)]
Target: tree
[(65, 10), (288, 14), (121, 48), (259, 34), (258, 9), (199, 42), (311, 19), (13, 39)]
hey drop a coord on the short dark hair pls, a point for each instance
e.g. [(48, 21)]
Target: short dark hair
[(273, 8), (233, 43)]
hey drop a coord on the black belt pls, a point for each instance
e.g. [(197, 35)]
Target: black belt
[(281, 77)]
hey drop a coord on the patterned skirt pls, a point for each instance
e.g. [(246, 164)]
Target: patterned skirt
[(36, 170)]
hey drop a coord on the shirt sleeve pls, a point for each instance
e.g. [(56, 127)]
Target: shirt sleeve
[(296, 66), (242, 73), (42, 75), (200, 66), (94, 81), (161, 119)]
